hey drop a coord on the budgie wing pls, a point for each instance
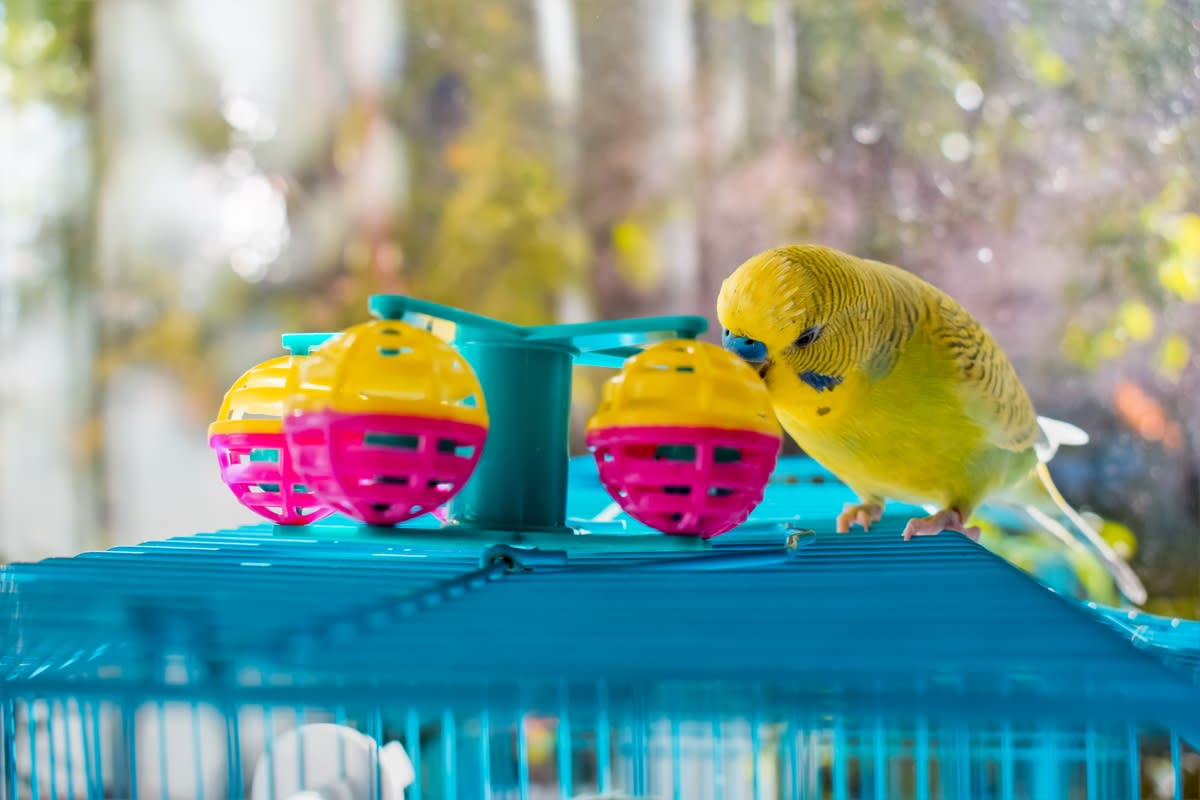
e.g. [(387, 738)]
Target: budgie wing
[(993, 393)]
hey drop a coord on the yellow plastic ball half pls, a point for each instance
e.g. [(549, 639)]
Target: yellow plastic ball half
[(689, 383), (390, 367)]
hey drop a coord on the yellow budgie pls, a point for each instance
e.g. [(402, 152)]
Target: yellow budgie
[(895, 388)]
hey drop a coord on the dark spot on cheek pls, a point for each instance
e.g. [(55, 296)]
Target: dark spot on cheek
[(822, 411)]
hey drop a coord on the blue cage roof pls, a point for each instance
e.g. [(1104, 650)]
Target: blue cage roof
[(772, 611)]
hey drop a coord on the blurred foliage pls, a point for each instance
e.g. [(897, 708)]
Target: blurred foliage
[(1165, 240), (496, 213), (506, 228), (637, 259), (1047, 66), (904, 131), (489, 215), (45, 48)]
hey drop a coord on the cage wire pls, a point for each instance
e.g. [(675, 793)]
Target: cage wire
[(262, 662), (74, 746)]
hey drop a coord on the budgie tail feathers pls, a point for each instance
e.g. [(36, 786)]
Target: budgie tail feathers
[(1122, 574), (1054, 433)]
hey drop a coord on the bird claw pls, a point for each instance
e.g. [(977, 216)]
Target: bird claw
[(861, 514), (947, 519)]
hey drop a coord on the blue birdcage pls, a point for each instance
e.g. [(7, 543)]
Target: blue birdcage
[(584, 654)]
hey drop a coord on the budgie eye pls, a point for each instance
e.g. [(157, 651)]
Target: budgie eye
[(808, 336)]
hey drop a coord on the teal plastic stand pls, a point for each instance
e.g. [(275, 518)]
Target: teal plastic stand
[(300, 344), (518, 491)]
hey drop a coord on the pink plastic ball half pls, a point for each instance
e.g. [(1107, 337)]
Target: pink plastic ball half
[(383, 469), (268, 488), (685, 480)]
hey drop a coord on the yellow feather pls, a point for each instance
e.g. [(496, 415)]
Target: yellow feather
[(885, 380)]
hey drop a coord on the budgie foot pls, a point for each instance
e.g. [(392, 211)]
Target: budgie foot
[(863, 514), (948, 519)]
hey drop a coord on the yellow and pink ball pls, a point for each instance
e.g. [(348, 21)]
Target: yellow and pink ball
[(252, 449), (387, 423), (383, 423), (685, 439)]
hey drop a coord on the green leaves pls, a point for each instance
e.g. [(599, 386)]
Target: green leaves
[(1135, 321), (1044, 63), (42, 51), (1179, 230), (1156, 258), (1174, 355), (1179, 271), (637, 257)]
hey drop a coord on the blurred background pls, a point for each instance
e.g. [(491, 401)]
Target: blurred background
[(182, 181)]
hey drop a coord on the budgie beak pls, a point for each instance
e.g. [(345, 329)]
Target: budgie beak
[(752, 351)]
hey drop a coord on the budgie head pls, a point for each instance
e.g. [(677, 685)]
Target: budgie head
[(800, 315)]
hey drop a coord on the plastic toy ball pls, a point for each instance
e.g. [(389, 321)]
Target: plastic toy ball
[(388, 422), (685, 438), (252, 449)]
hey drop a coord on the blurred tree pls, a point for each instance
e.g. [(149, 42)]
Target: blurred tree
[(491, 206), (48, 323), (597, 158)]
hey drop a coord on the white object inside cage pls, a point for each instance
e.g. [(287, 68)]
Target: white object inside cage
[(323, 761)]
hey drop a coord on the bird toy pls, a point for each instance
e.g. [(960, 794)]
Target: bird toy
[(252, 449), (685, 438), (387, 422)]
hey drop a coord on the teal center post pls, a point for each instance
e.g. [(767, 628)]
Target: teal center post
[(520, 483)]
